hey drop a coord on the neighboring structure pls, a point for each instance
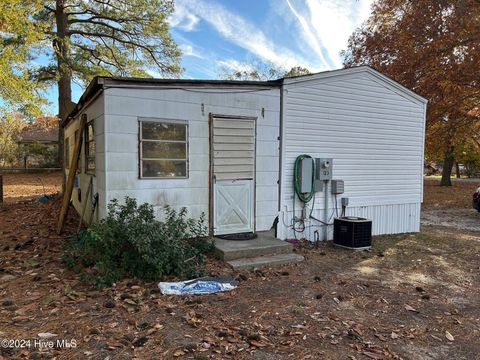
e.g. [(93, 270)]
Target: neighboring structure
[(44, 130), (227, 148), (39, 143)]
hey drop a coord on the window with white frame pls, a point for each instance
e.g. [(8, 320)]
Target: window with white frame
[(163, 149)]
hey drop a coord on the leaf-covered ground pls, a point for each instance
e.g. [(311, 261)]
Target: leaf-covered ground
[(19, 186), (414, 296)]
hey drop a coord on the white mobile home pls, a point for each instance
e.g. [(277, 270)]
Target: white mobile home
[(228, 148)]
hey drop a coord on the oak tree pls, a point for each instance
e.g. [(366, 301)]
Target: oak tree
[(433, 48), (11, 125), (20, 38)]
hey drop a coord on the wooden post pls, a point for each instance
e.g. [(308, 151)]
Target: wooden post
[(1, 189), (71, 175)]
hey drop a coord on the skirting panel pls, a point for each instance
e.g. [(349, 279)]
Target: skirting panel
[(386, 219)]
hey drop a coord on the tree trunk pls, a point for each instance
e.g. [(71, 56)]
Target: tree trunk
[(62, 51), (457, 170), (448, 162)]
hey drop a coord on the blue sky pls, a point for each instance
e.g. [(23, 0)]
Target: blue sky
[(219, 35)]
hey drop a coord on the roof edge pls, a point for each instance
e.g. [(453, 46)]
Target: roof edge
[(353, 70), (101, 82)]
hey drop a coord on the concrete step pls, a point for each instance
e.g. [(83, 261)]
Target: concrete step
[(264, 244), (250, 263)]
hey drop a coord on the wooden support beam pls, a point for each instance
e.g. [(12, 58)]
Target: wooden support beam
[(71, 175)]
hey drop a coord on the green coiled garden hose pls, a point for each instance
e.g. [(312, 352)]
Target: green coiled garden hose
[(304, 197)]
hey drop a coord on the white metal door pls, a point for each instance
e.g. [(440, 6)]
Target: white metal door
[(233, 157)]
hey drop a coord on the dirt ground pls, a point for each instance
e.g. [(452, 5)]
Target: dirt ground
[(414, 296), (450, 209), (19, 186)]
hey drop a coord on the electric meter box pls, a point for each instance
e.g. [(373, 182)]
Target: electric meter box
[(305, 170), (323, 168), (338, 187)]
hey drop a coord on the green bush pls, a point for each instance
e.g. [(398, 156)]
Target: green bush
[(42, 155), (130, 242)]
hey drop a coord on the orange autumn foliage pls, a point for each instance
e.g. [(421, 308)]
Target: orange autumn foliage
[(433, 48)]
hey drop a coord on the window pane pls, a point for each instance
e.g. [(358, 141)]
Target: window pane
[(164, 131), (91, 163), (164, 150), (164, 168), (91, 148), (90, 131)]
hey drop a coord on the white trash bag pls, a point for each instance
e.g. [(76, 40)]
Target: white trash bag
[(204, 285)]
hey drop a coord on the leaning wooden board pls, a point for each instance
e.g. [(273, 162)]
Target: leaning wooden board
[(71, 175)]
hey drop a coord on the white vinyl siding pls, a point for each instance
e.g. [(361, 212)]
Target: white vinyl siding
[(123, 108), (373, 131), (95, 115)]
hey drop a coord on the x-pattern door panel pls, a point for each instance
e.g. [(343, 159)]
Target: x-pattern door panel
[(233, 206)]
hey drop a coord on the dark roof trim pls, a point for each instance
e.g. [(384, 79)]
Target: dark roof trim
[(113, 81)]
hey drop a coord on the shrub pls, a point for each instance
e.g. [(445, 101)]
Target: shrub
[(130, 242)]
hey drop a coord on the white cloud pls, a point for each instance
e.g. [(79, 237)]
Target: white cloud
[(182, 19), (243, 33), (153, 73), (326, 25), (235, 65), (190, 50), (309, 36)]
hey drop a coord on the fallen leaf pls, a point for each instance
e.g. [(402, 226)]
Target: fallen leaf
[(130, 301), (372, 355), (7, 277), (257, 343), (449, 336), (151, 331), (409, 308), (179, 353), (381, 337), (21, 318), (113, 343), (209, 340)]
